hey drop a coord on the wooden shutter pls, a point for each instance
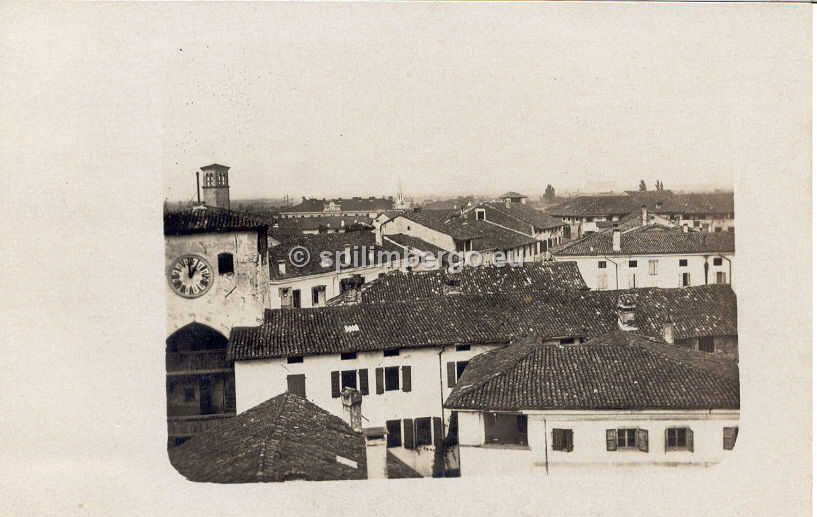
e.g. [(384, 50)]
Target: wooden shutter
[(378, 380), (407, 378), (643, 440), (335, 385), (364, 381), (690, 440), (568, 437), (666, 439), (408, 433), (612, 442), (452, 374), (438, 430)]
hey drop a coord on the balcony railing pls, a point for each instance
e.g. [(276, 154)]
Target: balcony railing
[(190, 425), (197, 361)]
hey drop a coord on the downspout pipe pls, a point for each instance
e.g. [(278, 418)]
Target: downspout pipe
[(730, 266), (608, 259)]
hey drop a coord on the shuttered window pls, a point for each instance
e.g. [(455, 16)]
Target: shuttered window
[(348, 378), (678, 439), (454, 371), (506, 429), (407, 378), (297, 384), (335, 381), (408, 433), (562, 440), (438, 431), (422, 428), (730, 436), (363, 377), (392, 377), (628, 439), (395, 438), (378, 380)]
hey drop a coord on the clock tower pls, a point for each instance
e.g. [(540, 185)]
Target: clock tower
[(216, 187)]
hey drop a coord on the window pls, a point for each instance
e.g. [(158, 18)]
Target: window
[(506, 429), (394, 438), (706, 344), (391, 353), (297, 384), (602, 264), (730, 436), (685, 280), (567, 341), (348, 378), (296, 298), (682, 262), (602, 282), (717, 261), (480, 214), (463, 348), (563, 440), (225, 263), (348, 355), (295, 359), (423, 431), (628, 439), (633, 263), (455, 370), (720, 277), (653, 265), (392, 376), (189, 394), (319, 295), (678, 439)]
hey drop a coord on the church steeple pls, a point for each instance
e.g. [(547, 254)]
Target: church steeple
[(216, 187)]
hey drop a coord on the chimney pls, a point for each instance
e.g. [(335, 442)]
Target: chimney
[(378, 236), (643, 215), (616, 239), (686, 228), (625, 310), (508, 202), (376, 466), (451, 285), (352, 400), (282, 267), (668, 330)]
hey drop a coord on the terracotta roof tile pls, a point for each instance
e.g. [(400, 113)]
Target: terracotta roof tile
[(648, 240), (616, 371), (210, 219)]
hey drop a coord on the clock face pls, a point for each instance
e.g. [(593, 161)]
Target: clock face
[(190, 276)]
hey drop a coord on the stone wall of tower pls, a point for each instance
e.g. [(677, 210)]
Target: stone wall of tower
[(216, 196)]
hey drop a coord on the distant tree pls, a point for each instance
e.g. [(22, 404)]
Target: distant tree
[(550, 193), (642, 186), (659, 185)]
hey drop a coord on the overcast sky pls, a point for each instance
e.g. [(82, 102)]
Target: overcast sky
[(318, 101)]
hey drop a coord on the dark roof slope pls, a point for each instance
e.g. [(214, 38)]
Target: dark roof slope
[(326, 242), (585, 206), (286, 437), (209, 219), (661, 202), (398, 286), (650, 240), (512, 194), (323, 222), (617, 371), (489, 318), (526, 214), (485, 236)]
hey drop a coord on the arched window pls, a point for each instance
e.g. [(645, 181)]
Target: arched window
[(225, 263)]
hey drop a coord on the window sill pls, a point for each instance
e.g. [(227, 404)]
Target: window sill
[(505, 446)]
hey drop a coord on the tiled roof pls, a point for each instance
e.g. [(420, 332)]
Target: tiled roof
[(489, 318), (361, 204), (617, 371), (664, 202), (411, 242), (649, 240), (210, 220), (398, 286), (286, 437), (329, 242), (511, 194), (485, 236), (524, 213)]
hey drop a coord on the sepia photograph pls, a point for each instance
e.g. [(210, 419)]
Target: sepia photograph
[(415, 258)]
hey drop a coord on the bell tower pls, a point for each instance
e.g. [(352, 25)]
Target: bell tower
[(216, 187)]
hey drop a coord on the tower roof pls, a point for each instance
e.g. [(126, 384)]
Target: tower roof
[(215, 167)]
